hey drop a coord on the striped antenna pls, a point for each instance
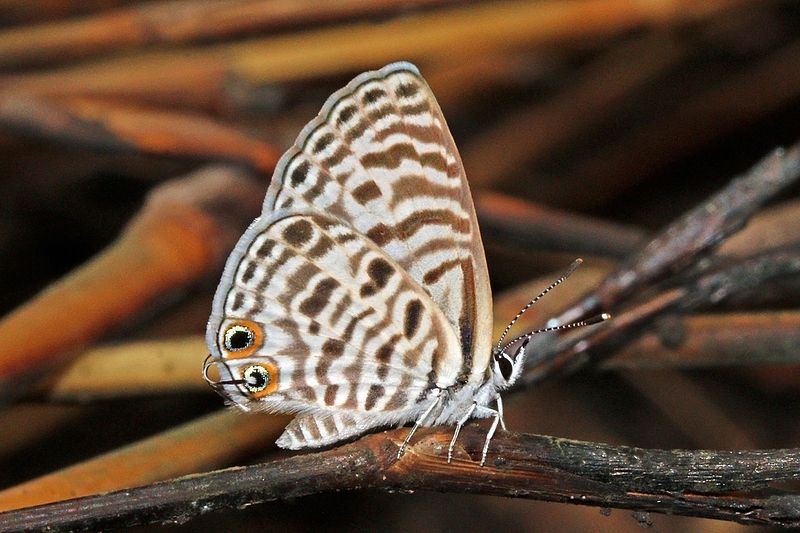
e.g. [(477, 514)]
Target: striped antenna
[(575, 264), (587, 322)]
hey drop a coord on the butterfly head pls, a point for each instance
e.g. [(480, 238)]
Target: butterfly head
[(507, 364)]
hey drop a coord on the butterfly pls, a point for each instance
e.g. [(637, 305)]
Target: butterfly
[(360, 297)]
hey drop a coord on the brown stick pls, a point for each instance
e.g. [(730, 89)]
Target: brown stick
[(104, 125), (513, 223), (211, 441), (726, 485), (199, 78), (184, 232), (519, 141), (156, 23), (696, 232), (712, 113), (729, 339)]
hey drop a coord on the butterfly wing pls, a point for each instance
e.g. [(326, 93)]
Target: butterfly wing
[(380, 157), (341, 331)]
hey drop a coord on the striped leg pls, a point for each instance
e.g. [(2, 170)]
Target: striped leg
[(419, 422), (461, 422), (499, 401), (497, 415), (489, 435)]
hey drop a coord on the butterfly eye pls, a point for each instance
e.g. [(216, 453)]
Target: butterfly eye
[(505, 364), (256, 378), (238, 338)]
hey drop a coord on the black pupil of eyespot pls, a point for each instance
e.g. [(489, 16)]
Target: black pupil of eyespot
[(506, 368), (257, 379), (239, 339)]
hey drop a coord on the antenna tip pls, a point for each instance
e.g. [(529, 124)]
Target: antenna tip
[(596, 319)]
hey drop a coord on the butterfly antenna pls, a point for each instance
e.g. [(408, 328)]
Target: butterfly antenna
[(216, 384), (602, 317), (575, 264)]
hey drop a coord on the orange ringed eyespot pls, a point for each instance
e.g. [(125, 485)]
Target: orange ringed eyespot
[(260, 380), (241, 338)]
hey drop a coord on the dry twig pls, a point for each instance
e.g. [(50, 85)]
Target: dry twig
[(727, 485)]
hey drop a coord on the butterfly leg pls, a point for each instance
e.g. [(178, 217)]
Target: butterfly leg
[(499, 401), (419, 422), (461, 422), (497, 417)]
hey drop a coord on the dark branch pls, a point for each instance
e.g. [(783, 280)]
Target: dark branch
[(695, 233), (727, 485)]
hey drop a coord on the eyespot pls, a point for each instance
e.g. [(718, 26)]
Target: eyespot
[(260, 379), (505, 364), (238, 338), (257, 378)]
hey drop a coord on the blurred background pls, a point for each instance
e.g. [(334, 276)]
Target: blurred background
[(137, 140)]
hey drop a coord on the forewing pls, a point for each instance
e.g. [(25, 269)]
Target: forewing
[(338, 323), (380, 157)]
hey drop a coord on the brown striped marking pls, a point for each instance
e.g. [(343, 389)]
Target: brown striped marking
[(297, 281), (356, 131), (272, 268), (380, 112), (304, 392), (425, 134), (435, 245), (321, 247), (412, 185), (341, 307), (348, 331), (406, 90), (238, 301), (399, 398), (415, 109), (323, 142), (333, 348), (394, 156), (435, 274), (380, 234), (258, 304), (379, 272), (312, 193), (352, 399), (249, 272), (265, 250), (296, 434), (391, 157), (437, 360), (373, 395), (415, 221), (367, 191), (373, 95), (327, 423), (433, 160), (412, 318), (319, 298), (298, 232), (299, 174), (468, 316), (384, 356), (336, 157), (346, 113), (321, 370), (330, 399), (311, 424)]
